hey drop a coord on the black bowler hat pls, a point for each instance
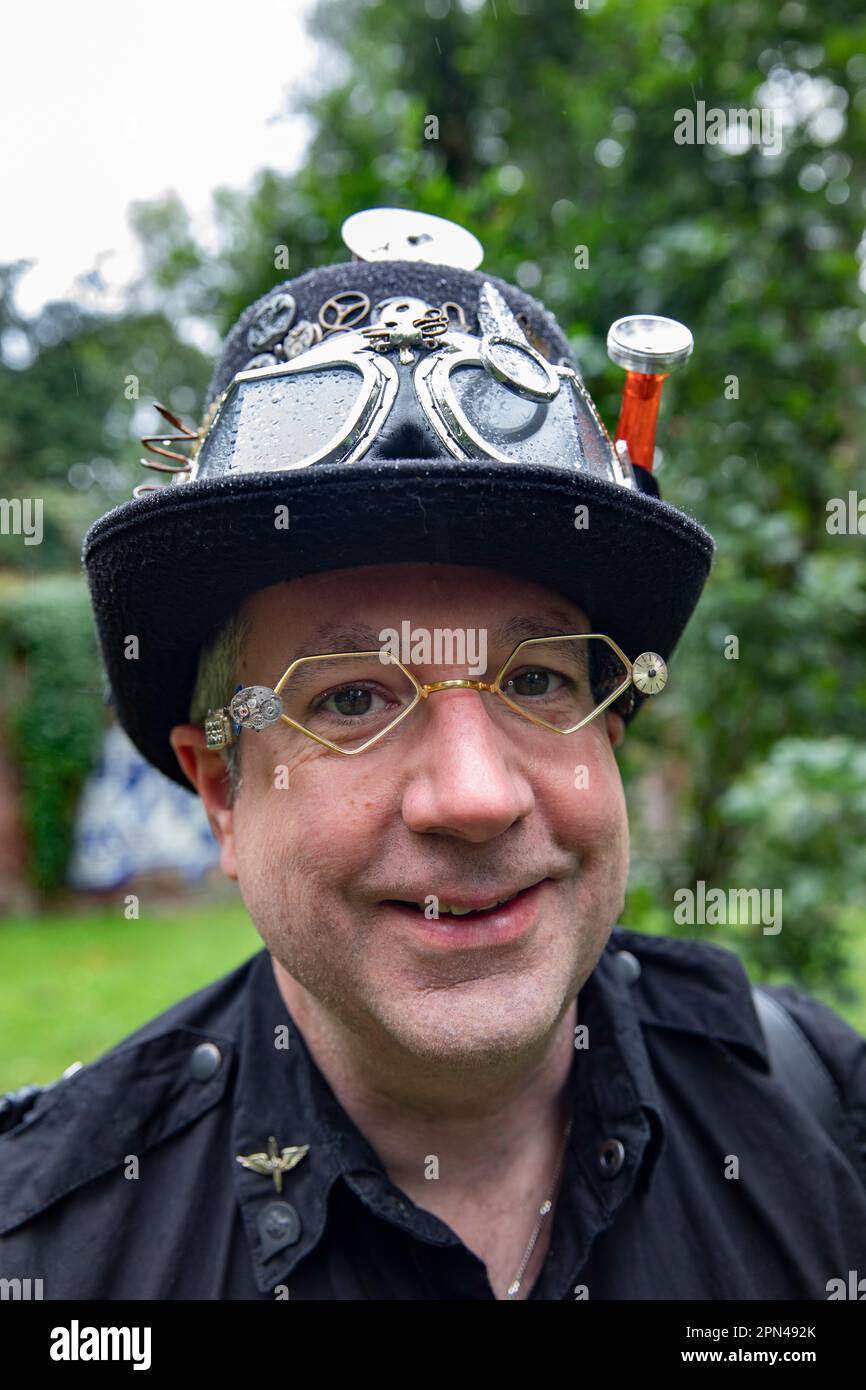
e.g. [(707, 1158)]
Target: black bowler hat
[(384, 410)]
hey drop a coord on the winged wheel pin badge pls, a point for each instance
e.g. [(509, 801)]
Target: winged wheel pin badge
[(275, 1162)]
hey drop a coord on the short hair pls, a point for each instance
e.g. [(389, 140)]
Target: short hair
[(217, 679)]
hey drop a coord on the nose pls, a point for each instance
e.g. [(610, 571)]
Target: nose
[(462, 772)]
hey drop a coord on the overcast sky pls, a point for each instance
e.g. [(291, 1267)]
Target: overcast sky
[(103, 104)]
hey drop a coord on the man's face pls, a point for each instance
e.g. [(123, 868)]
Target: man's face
[(456, 803)]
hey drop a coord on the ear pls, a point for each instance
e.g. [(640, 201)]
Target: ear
[(615, 727), (206, 769)]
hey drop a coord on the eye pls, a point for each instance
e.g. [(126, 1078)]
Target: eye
[(536, 680), (351, 701)]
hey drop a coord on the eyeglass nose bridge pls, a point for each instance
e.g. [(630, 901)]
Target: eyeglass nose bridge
[(425, 690), (495, 689)]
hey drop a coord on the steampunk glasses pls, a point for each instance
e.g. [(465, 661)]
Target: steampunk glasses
[(348, 701)]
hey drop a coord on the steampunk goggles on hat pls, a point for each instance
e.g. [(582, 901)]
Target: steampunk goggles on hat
[(326, 391), (489, 397), (347, 701)]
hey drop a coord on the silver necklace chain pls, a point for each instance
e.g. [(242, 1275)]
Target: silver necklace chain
[(543, 1211)]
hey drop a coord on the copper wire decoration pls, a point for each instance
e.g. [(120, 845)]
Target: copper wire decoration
[(154, 442), (461, 312)]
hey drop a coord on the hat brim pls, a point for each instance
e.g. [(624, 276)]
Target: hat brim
[(170, 566)]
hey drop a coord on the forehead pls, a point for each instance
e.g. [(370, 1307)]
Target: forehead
[(345, 610)]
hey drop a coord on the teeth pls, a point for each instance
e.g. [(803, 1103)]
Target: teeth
[(462, 911)]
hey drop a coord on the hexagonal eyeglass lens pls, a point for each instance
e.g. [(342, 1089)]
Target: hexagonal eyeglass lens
[(562, 681), (347, 700)]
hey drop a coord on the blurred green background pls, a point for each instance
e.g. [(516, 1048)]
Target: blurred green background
[(553, 131)]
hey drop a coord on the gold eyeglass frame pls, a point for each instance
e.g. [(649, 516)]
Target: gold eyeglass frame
[(648, 673)]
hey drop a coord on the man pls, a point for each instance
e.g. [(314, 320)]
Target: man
[(374, 638)]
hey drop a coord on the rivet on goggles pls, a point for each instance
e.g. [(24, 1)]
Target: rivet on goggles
[(560, 683)]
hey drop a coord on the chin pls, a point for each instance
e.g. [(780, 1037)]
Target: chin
[(476, 1022)]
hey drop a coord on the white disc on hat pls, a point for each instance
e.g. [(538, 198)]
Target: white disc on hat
[(399, 234)]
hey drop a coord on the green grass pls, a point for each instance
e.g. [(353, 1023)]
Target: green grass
[(71, 987)]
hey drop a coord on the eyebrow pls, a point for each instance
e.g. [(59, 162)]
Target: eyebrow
[(350, 637)]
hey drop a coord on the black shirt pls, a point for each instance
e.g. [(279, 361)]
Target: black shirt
[(122, 1181)]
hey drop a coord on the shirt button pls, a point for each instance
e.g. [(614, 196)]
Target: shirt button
[(610, 1158), (279, 1226), (205, 1061), (629, 966)]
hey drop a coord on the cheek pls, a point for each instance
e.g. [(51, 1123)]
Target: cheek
[(264, 850), (588, 802), (301, 827)]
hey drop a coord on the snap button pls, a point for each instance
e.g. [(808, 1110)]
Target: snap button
[(629, 965), (279, 1226), (610, 1158), (205, 1061)]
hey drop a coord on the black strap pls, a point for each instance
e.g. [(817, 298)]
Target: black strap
[(798, 1066)]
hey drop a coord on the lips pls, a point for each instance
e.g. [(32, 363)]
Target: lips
[(463, 906), (478, 929)]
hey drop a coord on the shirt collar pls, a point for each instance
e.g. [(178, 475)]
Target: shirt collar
[(281, 1092), (694, 987)]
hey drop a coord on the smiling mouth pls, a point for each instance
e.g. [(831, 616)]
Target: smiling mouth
[(460, 914)]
